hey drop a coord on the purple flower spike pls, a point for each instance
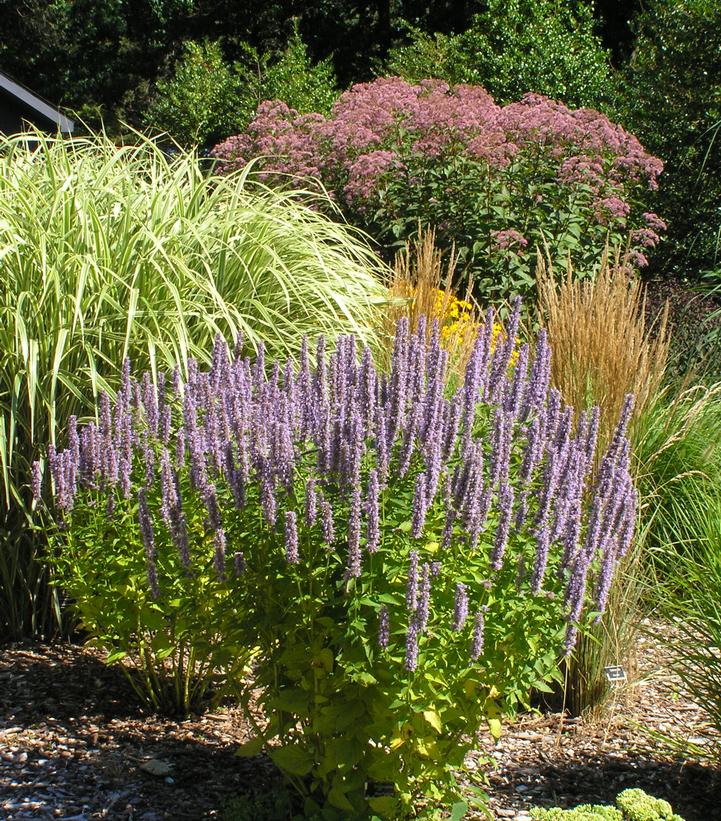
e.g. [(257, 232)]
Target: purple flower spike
[(239, 563), (504, 526), (326, 520), (460, 610), (291, 538), (37, 481), (148, 535), (539, 567), (419, 507), (373, 513), (412, 637), (479, 627), (384, 632), (412, 586)]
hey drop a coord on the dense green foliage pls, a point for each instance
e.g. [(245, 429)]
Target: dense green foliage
[(202, 100), (205, 99), (673, 102), (111, 252), (102, 59), (182, 652), (511, 48)]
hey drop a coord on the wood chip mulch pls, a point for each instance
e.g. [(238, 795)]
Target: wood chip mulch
[(75, 746)]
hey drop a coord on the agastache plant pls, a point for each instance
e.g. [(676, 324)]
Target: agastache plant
[(381, 533), (526, 473)]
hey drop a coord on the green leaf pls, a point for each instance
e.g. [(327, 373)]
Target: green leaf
[(293, 760), (250, 748), (292, 700), (432, 717), (458, 810), (494, 725), (385, 805), (338, 798)]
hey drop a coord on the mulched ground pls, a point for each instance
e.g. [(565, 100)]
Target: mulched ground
[(74, 746)]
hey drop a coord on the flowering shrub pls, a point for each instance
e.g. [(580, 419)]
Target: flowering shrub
[(496, 181), (409, 560)]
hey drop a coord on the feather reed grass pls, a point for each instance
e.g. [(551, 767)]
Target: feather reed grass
[(602, 346), (602, 351), (424, 285)]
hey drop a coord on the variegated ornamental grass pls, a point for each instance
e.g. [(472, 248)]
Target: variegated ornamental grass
[(108, 252)]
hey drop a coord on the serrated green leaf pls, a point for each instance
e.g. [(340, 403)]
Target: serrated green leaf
[(432, 717), (293, 760)]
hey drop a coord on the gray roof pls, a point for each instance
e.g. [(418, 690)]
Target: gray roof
[(36, 104)]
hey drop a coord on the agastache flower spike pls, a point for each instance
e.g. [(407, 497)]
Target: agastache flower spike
[(37, 481), (412, 586), (412, 637), (146, 531), (502, 354), (291, 538), (326, 520), (540, 374), (384, 632), (167, 486), (479, 626), (419, 507), (460, 610), (519, 385)]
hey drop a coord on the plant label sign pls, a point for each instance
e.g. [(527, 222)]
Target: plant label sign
[(615, 674)]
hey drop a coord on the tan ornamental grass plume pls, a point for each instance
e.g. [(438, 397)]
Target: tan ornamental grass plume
[(602, 346), (423, 285), (602, 349)]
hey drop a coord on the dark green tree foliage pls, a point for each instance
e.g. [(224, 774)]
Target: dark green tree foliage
[(204, 99), (673, 103), (90, 57), (101, 59), (516, 46)]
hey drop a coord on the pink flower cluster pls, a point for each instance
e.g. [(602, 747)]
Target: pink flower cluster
[(510, 238), (391, 115), (393, 134)]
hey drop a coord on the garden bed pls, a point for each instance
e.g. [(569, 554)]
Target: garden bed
[(73, 745)]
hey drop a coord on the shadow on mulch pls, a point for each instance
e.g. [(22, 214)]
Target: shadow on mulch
[(59, 680), (693, 790), (78, 741)]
